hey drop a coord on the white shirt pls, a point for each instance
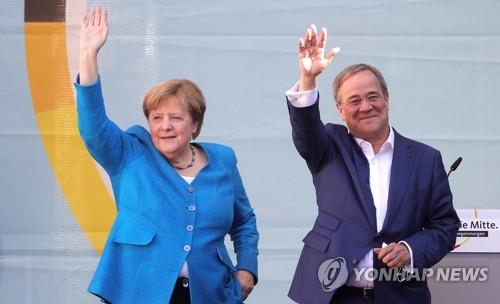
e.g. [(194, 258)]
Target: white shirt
[(380, 177)]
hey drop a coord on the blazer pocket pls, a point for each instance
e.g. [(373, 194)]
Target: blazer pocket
[(326, 224), (316, 241), (232, 286), (133, 236)]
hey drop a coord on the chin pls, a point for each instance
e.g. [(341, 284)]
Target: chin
[(164, 149)]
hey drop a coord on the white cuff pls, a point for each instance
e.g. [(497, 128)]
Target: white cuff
[(409, 267), (301, 99)]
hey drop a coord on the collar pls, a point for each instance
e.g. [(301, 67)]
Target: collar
[(367, 147)]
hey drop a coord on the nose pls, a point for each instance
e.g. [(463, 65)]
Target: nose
[(166, 124), (365, 105)]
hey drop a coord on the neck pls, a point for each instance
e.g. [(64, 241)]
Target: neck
[(185, 160), (379, 141)]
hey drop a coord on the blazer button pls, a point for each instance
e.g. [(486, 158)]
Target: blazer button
[(354, 261), (187, 248), (190, 190), (189, 228), (192, 208)]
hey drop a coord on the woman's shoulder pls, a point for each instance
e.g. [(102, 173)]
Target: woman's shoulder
[(218, 151)]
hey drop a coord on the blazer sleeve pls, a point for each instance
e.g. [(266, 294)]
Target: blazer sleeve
[(243, 232), (309, 134), (106, 142), (438, 236)]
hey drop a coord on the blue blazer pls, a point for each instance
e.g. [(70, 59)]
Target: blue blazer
[(163, 221), (419, 210)]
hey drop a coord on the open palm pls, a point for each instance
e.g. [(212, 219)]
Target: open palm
[(312, 58), (94, 30)]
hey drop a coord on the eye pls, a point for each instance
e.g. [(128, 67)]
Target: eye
[(156, 117), (354, 101), (374, 97)]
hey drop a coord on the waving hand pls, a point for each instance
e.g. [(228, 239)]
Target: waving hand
[(312, 57), (93, 35)]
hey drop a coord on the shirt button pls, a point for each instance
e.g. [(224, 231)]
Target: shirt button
[(190, 190), (187, 248), (354, 261), (189, 228), (191, 208)]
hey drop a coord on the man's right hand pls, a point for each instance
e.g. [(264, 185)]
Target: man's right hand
[(312, 57)]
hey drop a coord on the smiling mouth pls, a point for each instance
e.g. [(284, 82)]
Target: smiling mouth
[(368, 117)]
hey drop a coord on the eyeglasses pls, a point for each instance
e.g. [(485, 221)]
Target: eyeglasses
[(371, 98)]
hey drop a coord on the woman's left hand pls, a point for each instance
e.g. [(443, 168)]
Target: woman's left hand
[(246, 282)]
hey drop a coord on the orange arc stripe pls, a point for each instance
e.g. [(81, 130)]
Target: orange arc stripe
[(54, 106)]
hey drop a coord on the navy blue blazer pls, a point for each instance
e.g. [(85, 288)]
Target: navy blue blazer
[(419, 210)]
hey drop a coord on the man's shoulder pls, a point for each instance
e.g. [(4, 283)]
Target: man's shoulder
[(418, 146), (336, 129)]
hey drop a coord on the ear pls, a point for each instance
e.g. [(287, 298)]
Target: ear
[(340, 108), (194, 127)]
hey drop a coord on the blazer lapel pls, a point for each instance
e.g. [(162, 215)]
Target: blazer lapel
[(403, 161), (347, 157)]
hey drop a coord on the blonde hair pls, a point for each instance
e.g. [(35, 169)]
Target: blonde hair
[(188, 94)]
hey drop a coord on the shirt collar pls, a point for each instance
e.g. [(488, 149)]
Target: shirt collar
[(366, 146)]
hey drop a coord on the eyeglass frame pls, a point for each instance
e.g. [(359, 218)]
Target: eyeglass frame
[(371, 98)]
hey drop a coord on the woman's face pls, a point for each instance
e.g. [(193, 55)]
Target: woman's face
[(171, 128)]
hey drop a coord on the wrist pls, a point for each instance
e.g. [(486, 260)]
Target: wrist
[(307, 83), (88, 53)]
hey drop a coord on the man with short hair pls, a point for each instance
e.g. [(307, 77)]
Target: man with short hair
[(384, 202)]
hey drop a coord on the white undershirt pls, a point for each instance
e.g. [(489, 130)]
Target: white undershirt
[(380, 176)]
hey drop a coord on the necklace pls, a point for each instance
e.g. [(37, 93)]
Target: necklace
[(193, 159)]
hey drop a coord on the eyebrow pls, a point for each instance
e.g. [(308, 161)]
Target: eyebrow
[(357, 95), (170, 114)]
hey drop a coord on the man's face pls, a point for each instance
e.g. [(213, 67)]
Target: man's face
[(364, 107)]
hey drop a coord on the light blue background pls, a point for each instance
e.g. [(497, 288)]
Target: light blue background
[(440, 58)]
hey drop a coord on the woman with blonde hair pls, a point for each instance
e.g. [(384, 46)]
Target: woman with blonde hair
[(176, 199)]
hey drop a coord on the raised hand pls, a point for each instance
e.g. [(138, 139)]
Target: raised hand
[(312, 57), (93, 35), (94, 30)]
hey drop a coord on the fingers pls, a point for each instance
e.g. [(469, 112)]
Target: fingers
[(331, 54), (301, 45), (310, 39), (314, 35), (393, 255), (307, 38), (322, 38), (96, 17), (104, 17), (85, 21), (92, 17)]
